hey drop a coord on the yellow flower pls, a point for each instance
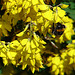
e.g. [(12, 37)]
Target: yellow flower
[(34, 2), (22, 33), (53, 1), (71, 51), (14, 6), (25, 52), (48, 15), (1, 29), (56, 65), (58, 14), (43, 7), (68, 58), (64, 6), (71, 45), (56, 60)]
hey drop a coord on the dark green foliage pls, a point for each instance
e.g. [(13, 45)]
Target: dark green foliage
[(71, 9)]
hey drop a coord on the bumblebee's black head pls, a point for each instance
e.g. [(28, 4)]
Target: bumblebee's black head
[(60, 26)]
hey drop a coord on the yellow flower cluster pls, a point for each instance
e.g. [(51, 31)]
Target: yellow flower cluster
[(23, 52), (39, 13), (64, 63), (27, 44)]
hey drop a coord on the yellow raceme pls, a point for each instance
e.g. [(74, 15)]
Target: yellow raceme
[(64, 63), (27, 51)]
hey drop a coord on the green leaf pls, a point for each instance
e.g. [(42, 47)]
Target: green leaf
[(72, 5), (0, 71), (72, 16), (69, 41), (71, 9)]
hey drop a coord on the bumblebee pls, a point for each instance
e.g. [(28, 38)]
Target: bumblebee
[(59, 29)]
